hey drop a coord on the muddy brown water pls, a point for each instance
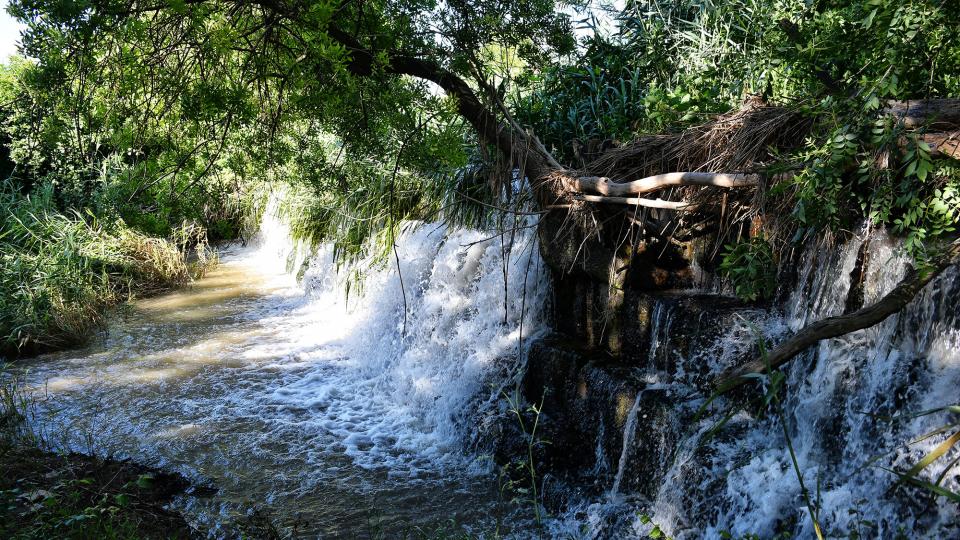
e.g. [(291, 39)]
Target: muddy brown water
[(225, 382)]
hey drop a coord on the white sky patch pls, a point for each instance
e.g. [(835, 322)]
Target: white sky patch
[(10, 30)]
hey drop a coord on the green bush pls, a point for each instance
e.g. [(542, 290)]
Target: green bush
[(751, 269), (58, 271)]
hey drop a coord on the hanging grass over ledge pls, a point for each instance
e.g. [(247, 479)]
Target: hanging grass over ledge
[(59, 271)]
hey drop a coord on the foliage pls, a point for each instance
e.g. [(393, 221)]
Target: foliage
[(94, 145), (751, 268), (15, 411), (165, 112), (63, 513), (80, 497), (912, 476), (672, 63), (59, 270), (524, 490), (655, 532)]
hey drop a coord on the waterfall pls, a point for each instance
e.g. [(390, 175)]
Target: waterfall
[(628, 428), (269, 381), (838, 400), (430, 345), (837, 394), (659, 334)]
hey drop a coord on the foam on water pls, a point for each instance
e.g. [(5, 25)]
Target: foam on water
[(280, 390), (743, 482)]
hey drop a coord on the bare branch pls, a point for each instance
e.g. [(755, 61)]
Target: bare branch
[(606, 186), (832, 327), (648, 203)]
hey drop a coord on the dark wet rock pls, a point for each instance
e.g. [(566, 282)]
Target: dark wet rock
[(587, 402)]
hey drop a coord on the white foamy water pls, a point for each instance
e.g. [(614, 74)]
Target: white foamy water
[(314, 405), (742, 481)]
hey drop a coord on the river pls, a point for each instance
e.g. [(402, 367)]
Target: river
[(333, 415), (339, 404)]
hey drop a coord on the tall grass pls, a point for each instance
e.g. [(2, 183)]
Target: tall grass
[(60, 270), (15, 412)]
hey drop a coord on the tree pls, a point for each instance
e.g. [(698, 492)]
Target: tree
[(256, 79), (344, 63)]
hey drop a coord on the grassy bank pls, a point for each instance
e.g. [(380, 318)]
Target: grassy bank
[(59, 271), (46, 495)]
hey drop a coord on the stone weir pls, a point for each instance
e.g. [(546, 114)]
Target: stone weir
[(614, 417), (634, 334), (639, 334)]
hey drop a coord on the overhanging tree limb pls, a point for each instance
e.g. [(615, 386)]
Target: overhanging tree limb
[(832, 327)]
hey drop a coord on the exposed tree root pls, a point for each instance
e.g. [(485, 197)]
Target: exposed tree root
[(837, 326)]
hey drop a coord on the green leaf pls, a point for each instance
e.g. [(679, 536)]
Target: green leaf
[(933, 488), (941, 449), (145, 481)]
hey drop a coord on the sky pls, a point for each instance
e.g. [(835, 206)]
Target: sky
[(9, 33)]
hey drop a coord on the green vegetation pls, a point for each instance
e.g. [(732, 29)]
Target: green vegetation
[(751, 268), (674, 64), (136, 131), (60, 270), (50, 495), (78, 497), (161, 114)]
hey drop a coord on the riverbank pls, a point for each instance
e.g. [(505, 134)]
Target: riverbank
[(45, 495), (61, 271)]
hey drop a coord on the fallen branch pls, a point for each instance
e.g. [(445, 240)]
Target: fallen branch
[(930, 113), (832, 327), (649, 203), (604, 186)]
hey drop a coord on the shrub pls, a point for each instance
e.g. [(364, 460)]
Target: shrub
[(751, 269), (58, 271)]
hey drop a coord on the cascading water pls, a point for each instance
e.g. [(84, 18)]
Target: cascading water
[(837, 401), (287, 395), (628, 428), (320, 410)]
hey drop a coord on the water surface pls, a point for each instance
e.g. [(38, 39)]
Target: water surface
[(326, 416)]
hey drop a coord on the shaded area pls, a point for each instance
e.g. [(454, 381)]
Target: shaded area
[(75, 496)]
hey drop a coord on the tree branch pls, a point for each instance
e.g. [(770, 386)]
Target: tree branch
[(929, 113), (832, 327), (648, 203), (605, 186)]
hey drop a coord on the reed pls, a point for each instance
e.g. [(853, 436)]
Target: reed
[(60, 270)]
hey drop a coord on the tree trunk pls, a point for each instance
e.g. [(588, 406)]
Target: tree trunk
[(935, 114)]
